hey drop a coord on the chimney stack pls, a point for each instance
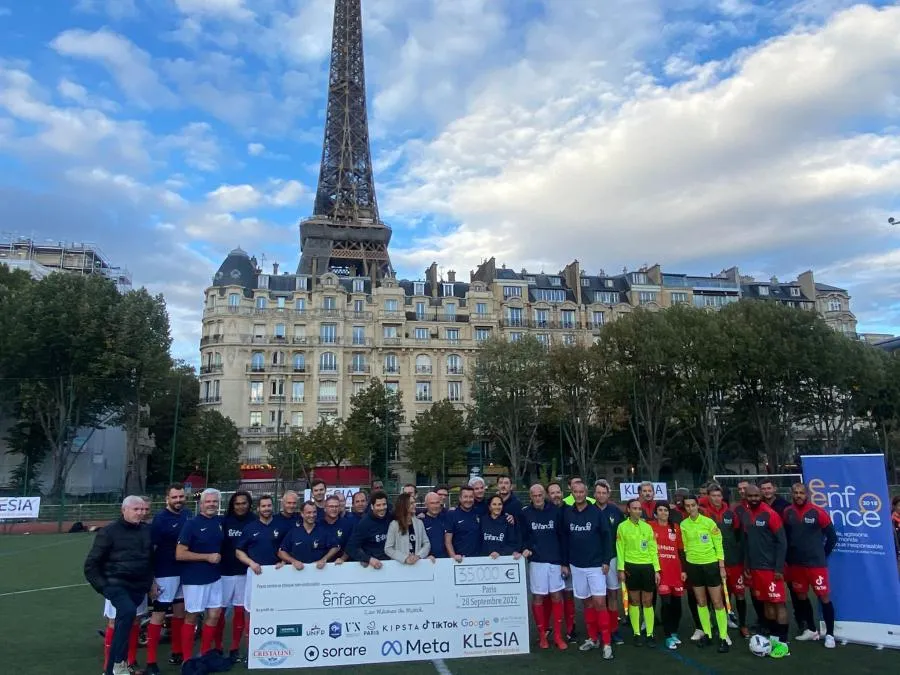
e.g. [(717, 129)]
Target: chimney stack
[(451, 276), (274, 269)]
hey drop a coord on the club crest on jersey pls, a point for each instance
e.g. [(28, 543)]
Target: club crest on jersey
[(275, 533), (643, 544), (809, 519), (672, 536), (704, 538)]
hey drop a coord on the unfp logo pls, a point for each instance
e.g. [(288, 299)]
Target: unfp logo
[(845, 506)]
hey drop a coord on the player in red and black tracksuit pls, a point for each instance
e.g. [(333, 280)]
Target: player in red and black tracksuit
[(810, 540), (672, 578), (730, 526), (765, 549)]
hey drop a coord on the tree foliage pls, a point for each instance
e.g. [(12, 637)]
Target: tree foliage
[(180, 388), (439, 439), (376, 414), (212, 441)]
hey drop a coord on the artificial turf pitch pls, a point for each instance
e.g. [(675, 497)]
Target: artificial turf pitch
[(54, 631)]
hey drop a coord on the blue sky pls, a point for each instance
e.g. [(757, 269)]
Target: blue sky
[(699, 134)]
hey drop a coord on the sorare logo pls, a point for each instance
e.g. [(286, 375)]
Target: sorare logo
[(272, 653), (845, 504)]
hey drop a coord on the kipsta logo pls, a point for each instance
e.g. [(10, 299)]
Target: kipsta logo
[(272, 653), (389, 647), (334, 630)]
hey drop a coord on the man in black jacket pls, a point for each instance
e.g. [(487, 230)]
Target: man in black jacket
[(120, 567)]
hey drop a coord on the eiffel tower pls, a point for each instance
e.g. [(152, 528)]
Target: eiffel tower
[(345, 234)]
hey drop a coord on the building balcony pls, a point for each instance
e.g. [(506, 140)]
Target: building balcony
[(257, 400), (211, 339), (258, 430), (276, 398), (391, 370), (362, 342), (455, 370), (328, 340), (328, 370), (257, 368), (391, 341), (299, 370), (327, 398), (329, 313), (359, 316), (455, 399), (278, 339), (513, 323), (211, 368), (421, 341), (423, 370), (423, 398), (392, 316), (209, 400), (299, 340), (358, 369), (298, 399)]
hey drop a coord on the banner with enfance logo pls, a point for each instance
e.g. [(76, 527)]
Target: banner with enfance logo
[(865, 586)]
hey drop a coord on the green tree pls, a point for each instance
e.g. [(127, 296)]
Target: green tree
[(641, 353), (440, 437), (182, 388), (57, 336), (376, 414), (335, 445), (293, 456), (213, 441), (583, 401), (510, 390)]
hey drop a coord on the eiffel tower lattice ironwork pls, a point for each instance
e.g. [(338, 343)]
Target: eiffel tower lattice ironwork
[(345, 233)]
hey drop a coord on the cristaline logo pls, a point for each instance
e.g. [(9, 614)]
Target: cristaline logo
[(846, 507), (272, 653)]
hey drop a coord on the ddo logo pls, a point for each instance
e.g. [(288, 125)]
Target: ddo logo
[(263, 630)]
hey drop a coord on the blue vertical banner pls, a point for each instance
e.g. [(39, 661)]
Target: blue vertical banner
[(865, 585)]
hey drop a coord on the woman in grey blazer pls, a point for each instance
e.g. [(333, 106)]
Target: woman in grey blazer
[(407, 541)]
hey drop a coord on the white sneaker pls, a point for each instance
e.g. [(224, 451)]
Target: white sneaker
[(121, 668), (732, 621), (807, 636), (607, 652), (676, 639), (829, 642), (697, 636), (586, 646), (728, 640)]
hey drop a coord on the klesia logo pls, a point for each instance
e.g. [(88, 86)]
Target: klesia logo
[(846, 507), (272, 653)]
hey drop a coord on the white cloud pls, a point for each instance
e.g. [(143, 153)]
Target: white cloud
[(198, 145), (255, 149), (235, 198), (704, 169), (234, 10), (115, 9), (287, 193), (129, 65), (127, 186), (79, 94)]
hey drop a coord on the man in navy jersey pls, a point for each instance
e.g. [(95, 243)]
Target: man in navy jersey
[(810, 540), (613, 588), (358, 507), (511, 504), (288, 516), (234, 572), (164, 532), (339, 527), (770, 496), (435, 521), (366, 544), (310, 542), (463, 536), (478, 501), (444, 493), (555, 497), (318, 490), (587, 550), (541, 527), (199, 552), (259, 546)]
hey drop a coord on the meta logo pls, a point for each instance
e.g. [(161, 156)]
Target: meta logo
[(489, 640), (418, 647), (846, 507)]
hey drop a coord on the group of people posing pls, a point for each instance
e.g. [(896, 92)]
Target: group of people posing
[(578, 547)]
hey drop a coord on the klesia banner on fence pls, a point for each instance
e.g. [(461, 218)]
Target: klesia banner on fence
[(632, 491), (348, 614), (16, 508), (345, 493), (865, 586)]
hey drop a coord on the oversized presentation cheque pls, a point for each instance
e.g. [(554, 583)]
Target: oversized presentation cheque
[(348, 614)]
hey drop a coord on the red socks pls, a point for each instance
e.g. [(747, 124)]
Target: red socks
[(175, 631), (613, 619), (569, 610), (558, 636), (540, 615), (238, 623), (153, 633), (107, 645), (187, 640), (547, 611), (590, 622), (207, 635), (602, 619), (132, 643), (220, 633)]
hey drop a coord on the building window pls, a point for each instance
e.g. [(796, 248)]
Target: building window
[(277, 388), (541, 317), (256, 418), (299, 333), (567, 318), (359, 306), (391, 364), (420, 311), (359, 335), (514, 316), (454, 391), (392, 387), (482, 334), (300, 305), (298, 391), (598, 319), (297, 420), (585, 282), (639, 279), (453, 335), (569, 339), (606, 298), (530, 279), (277, 358), (328, 362), (423, 364), (234, 299), (454, 364), (329, 302), (679, 298), (834, 305), (299, 362), (280, 302), (256, 392), (555, 281), (515, 337), (646, 297), (279, 330), (391, 305), (261, 303), (763, 290), (390, 332), (419, 288), (359, 285), (543, 338), (551, 295), (512, 291), (447, 290), (258, 362), (217, 359), (795, 292), (328, 333), (481, 308), (358, 363), (327, 392), (358, 387), (421, 334), (450, 309), (423, 392)]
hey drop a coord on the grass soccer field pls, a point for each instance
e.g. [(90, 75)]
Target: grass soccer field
[(50, 619)]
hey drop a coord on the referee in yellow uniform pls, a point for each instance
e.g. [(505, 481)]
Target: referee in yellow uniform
[(638, 565)]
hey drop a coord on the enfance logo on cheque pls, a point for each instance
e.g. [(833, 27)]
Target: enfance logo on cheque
[(272, 653)]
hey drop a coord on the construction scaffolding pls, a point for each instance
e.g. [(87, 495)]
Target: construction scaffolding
[(40, 258)]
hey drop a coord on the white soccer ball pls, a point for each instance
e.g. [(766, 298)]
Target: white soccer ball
[(760, 645)]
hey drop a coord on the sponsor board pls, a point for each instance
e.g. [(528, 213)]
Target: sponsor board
[(16, 508)]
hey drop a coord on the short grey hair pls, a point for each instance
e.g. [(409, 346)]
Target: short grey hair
[(211, 491), (602, 483), (475, 481), (131, 501), (647, 482)]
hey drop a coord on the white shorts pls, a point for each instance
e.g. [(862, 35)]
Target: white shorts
[(568, 581), (233, 590), (588, 582), (545, 578), (109, 611), (248, 589), (200, 598), (612, 577), (169, 589)]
